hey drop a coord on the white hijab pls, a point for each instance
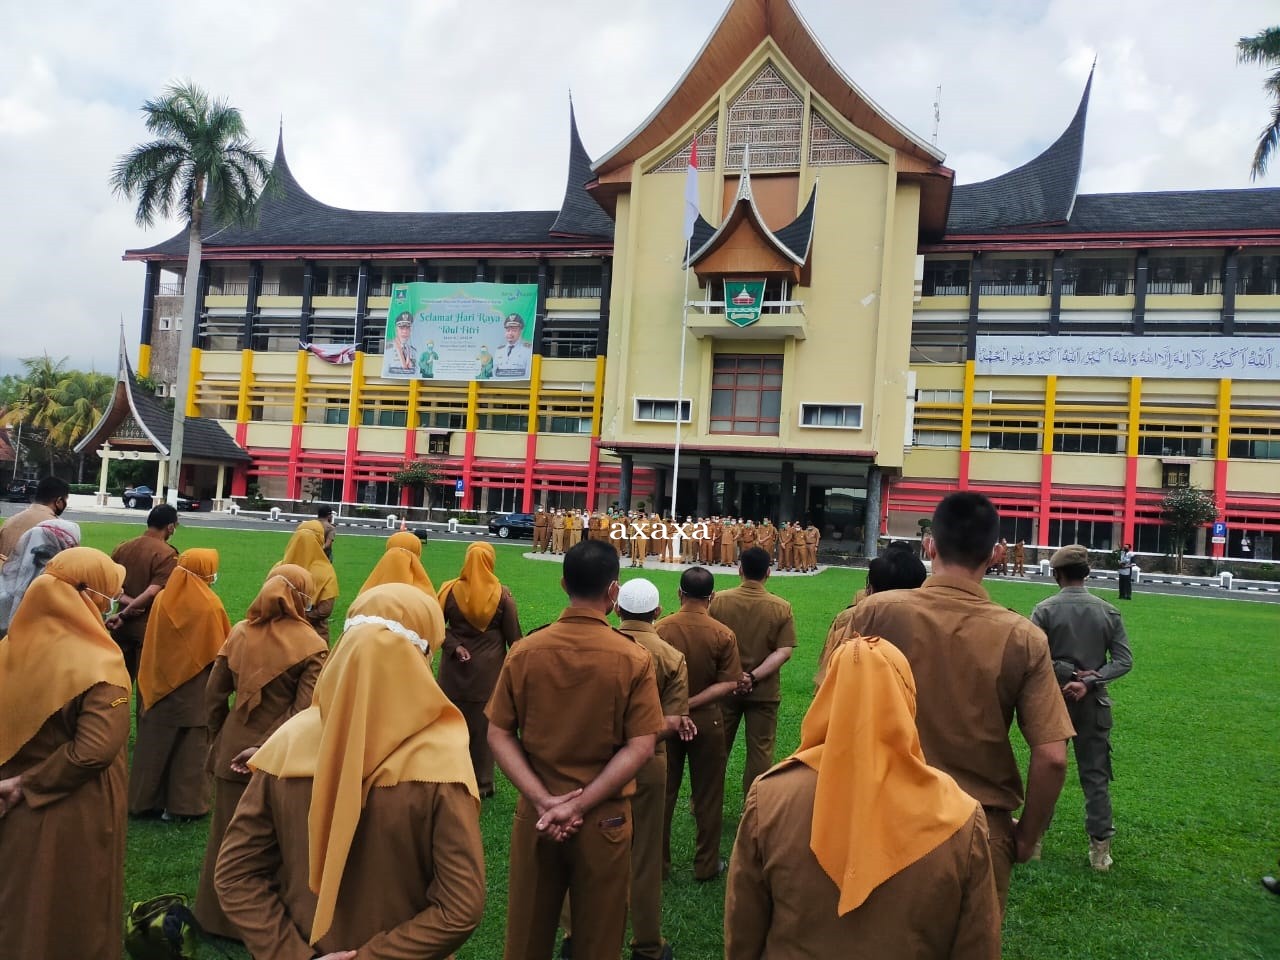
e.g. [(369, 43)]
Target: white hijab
[(35, 548)]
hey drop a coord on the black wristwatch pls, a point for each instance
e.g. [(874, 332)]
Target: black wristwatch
[(753, 678)]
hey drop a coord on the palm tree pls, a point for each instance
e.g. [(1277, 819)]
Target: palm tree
[(81, 399), (1264, 49), (35, 409), (201, 157)]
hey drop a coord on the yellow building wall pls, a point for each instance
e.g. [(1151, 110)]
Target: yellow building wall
[(1253, 476), (928, 462), (501, 445), (1005, 465), (268, 435), (382, 440), (324, 436), (564, 447), (1095, 470)]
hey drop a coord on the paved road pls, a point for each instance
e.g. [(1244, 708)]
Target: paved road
[(220, 521)]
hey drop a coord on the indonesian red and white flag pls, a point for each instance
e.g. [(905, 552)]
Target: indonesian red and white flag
[(691, 191), (331, 352)]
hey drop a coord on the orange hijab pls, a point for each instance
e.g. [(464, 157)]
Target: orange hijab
[(186, 629), (878, 806), (306, 549), (476, 590), (378, 718), (274, 635), (57, 646), (400, 564)]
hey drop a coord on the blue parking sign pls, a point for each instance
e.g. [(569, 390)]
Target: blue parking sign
[(457, 487), (1219, 528)]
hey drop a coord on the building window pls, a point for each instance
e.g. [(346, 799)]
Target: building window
[(449, 421), (1195, 275), (946, 278), (1173, 475), (384, 417), (662, 411), (568, 424), (1258, 275), (838, 416), (577, 282), (165, 323), (520, 274), (746, 394), (458, 273), (569, 339), (335, 415), (1015, 278), (1244, 446), (1009, 435), (1158, 441), (1094, 534), (1086, 438), (1097, 277), (1158, 539), (936, 438), (503, 421)]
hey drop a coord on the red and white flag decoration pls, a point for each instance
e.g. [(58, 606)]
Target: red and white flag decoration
[(691, 191), (331, 352)]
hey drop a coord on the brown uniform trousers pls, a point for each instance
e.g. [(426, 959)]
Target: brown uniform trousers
[(541, 531), (711, 656), (729, 546), (811, 539), (640, 542), (986, 648), (786, 550), (575, 692), (557, 534), (762, 622)]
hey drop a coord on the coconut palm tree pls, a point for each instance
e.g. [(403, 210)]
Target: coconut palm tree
[(1264, 49), (81, 399), (201, 158), (35, 409)]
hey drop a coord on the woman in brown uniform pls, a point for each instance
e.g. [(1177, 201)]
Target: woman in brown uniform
[(269, 663), (306, 550), (854, 847), (65, 692), (360, 829), (402, 563), (186, 629), (482, 625)]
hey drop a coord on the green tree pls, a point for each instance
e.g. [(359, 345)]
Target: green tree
[(34, 410), (420, 476), (81, 399), (200, 160), (1184, 511), (1264, 49)]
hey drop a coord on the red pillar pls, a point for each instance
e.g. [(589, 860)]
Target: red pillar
[(1129, 521), (349, 465), (1046, 496), (240, 482), (468, 463), (530, 458), (962, 481)]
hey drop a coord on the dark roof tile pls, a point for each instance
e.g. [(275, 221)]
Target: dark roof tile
[(580, 215)]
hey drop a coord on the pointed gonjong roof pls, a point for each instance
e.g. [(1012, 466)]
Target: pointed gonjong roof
[(1040, 192), (290, 218)]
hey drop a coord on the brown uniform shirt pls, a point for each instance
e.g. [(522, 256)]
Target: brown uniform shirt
[(147, 561), (576, 691), (781, 904), (22, 521), (413, 884), (976, 664), (669, 668), (710, 653), (762, 622)]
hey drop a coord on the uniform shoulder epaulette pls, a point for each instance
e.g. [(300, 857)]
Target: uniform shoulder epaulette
[(536, 629), (626, 636)]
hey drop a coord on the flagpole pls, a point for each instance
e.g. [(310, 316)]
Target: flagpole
[(684, 339)]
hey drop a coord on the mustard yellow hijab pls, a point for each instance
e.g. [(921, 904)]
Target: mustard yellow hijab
[(378, 718), (306, 549), (401, 564), (186, 629), (476, 591), (274, 635), (57, 646), (878, 806)]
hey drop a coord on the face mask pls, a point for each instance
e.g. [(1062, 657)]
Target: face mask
[(211, 579), (112, 603)]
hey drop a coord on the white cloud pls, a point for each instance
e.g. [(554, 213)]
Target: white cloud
[(452, 105)]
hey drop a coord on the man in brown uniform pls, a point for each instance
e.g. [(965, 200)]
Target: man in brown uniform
[(766, 634), (638, 607), (711, 655), (767, 537), (640, 529), (557, 532), (812, 537), (747, 536), (541, 530), (325, 516), (729, 543), (50, 501), (976, 664), (574, 716), (786, 547), (147, 560)]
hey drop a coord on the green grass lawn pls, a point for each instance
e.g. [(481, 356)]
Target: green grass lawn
[(1197, 795)]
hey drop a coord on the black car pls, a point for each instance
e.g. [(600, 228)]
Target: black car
[(508, 525), (143, 498), (21, 491)]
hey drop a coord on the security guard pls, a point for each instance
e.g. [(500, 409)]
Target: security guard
[(711, 655), (1089, 649), (573, 718), (766, 633)]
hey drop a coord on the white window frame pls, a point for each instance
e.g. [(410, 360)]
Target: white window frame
[(678, 405), (821, 426)]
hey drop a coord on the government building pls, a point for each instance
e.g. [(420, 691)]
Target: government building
[(863, 334)]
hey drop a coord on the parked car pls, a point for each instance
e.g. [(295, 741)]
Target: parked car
[(22, 490), (508, 525), (143, 497)]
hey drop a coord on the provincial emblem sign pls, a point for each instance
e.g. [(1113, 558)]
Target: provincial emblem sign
[(742, 301)]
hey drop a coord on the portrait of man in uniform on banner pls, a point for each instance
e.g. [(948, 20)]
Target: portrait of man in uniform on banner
[(400, 359), (515, 354)]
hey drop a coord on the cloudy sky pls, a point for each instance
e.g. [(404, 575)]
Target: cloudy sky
[(452, 105)]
